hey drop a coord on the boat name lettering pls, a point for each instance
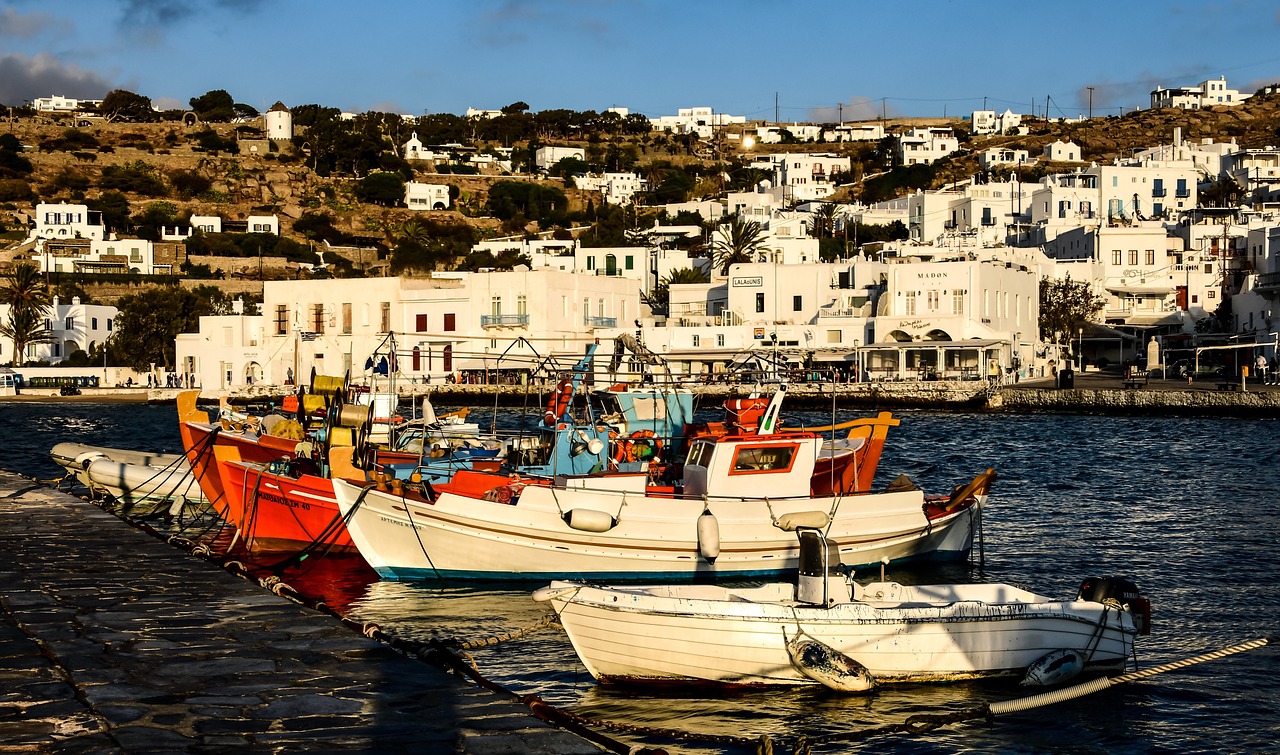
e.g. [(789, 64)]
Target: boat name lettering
[(284, 501)]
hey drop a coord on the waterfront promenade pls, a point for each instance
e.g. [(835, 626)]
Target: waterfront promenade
[(114, 641)]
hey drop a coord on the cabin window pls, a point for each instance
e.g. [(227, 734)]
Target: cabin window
[(699, 455), (775, 458)]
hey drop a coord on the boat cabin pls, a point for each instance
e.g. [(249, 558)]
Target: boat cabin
[(752, 466)]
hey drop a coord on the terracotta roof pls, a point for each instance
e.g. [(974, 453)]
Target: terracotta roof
[(278, 107)]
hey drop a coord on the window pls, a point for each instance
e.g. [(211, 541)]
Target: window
[(797, 303), (1133, 256), (720, 339), (933, 300), (386, 317), (911, 303), (110, 324), (1211, 294), (450, 321), (522, 305), (759, 302), (749, 459), (600, 307), (1117, 257), (95, 323), (420, 323), (629, 262), (591, 263), (70, 324), (1151, 256), (282, 319), (317, 318), (346, 318), (697, 341), (957, 302), (227, 338)]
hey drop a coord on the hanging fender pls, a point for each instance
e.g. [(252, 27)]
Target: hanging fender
[(828, 666), (1054, 668), (708, 536), (589, 520)]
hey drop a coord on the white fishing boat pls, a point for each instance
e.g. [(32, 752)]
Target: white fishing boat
[(832, 630), (129, 476), (731, 511)]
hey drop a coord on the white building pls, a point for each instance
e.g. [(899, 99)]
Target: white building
[(803, 176), (545, 157), (854, 132), (74, 327), (997, 156), (59, 104), (982, 213), (442, 325), (67, 221), (119, 256), (921, 146), (420, 196), (476, 113), (988, 122), (263, 224), (207, 223), (617, 188), (799, 132), (279, 122), (1060, 151), (1205, 94), (696, 120)]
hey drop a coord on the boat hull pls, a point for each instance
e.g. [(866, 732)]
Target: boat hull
[(631, 636), (462, 536), (277, 513)]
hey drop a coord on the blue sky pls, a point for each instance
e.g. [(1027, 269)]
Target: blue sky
[(919, 58)]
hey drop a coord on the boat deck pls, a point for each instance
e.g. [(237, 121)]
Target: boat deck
[(113, 641)]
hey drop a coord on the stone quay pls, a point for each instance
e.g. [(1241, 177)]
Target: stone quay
[(112, 640)]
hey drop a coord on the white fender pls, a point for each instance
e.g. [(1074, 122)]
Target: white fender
[(1054, 668), (589, 520), (828, 666), (708, 536)]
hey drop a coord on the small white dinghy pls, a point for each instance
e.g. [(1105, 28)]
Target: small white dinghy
[(831, 630), (129, 476)]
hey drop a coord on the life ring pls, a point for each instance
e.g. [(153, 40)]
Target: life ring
[(559, 402), (642, 445)]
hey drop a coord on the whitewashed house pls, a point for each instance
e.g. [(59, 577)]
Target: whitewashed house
[(1060, 151), (854, 132), (59, 104), (1000, 156), (207, 223), (1205, 94), (422, 196), (921, 146), (989, 122), (67, 221), (545, 157), (263, 224), (74, 327), (696, 120), (616, 188)]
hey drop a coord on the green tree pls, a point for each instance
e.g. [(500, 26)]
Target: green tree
[(823, 223), (1066, 306), (509, 199), (151, 319), (737, 241), (114, 207), (28, 298), (123, 105), (214, 105), (382, 188)]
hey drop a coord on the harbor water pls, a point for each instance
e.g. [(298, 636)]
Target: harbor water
[(1188, 508)]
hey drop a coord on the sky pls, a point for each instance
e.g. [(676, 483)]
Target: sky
[(815, 61)]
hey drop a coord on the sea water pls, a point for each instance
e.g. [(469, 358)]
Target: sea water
[(1189, 509)]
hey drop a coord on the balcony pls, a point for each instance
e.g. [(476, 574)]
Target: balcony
[(503, 321), (1182, 193), (988, 221), (1268, 283), (600, 322), (1159, 192)]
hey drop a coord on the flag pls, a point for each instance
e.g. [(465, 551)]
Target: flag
[(309, 336)]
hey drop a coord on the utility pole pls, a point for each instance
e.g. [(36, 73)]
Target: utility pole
[(984, 103), (1090, 102), (840, 110), (775, 109)]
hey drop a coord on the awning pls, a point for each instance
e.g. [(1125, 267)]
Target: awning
[(976, 343), (1154, 319)]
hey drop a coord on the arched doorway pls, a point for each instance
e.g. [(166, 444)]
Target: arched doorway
[(252, 373)]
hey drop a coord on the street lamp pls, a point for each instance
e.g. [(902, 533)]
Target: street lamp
[(857, 362)]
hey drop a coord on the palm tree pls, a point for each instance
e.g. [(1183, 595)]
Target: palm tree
[(659, 299), (28, 298), (823, 224), (735, 242)]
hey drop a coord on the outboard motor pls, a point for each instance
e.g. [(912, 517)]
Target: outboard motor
[(1124, 593), (820, 581)]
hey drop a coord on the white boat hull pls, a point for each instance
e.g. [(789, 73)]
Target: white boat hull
[(708, 634), (653, 538), (134, 483)]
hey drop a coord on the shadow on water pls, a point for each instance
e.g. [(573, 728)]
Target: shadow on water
[(1185, 507)]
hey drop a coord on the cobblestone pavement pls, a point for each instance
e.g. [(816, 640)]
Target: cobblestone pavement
[(114, 641)]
